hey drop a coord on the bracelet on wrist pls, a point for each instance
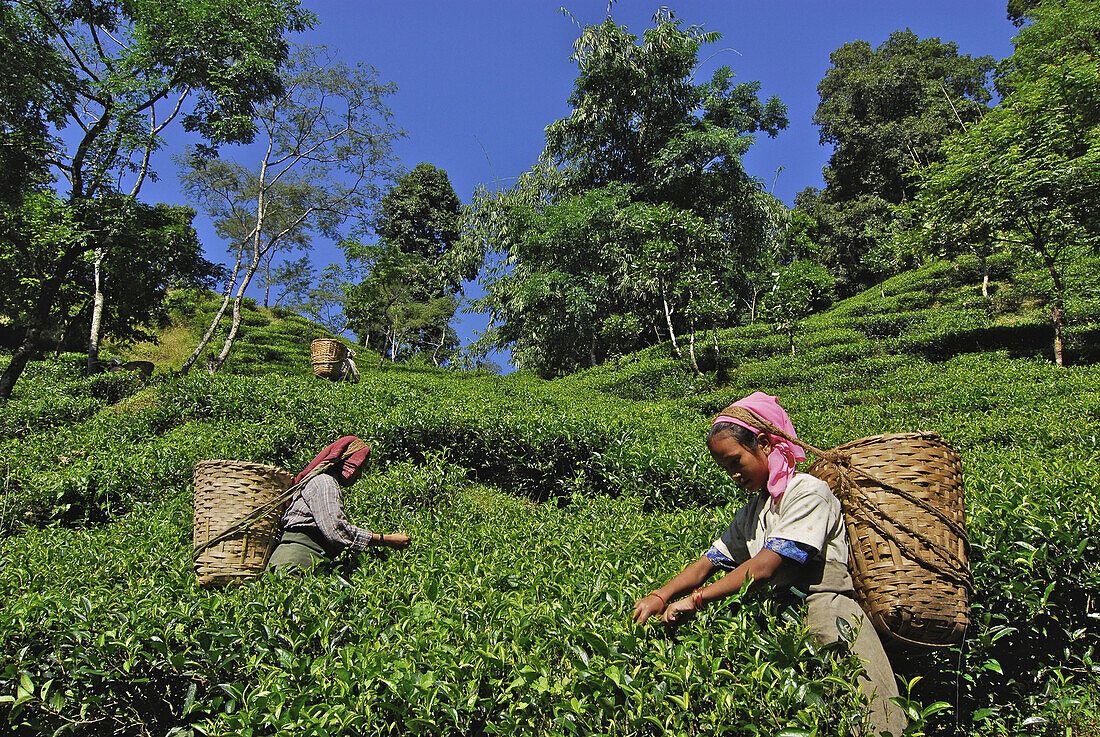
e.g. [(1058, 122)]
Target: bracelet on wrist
[(697, 600), (664, 602), (381, 538)]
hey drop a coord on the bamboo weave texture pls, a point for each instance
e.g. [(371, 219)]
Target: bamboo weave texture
[(903, 503), (327, 358), (225, 492)]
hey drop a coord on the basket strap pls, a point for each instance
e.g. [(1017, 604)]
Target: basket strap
[(260, 512), (751, 418), (868, 513), (844, 465)]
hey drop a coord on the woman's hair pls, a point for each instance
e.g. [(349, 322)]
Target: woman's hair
[(742, 435)]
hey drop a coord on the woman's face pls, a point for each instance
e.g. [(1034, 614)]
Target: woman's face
[(352, 478), (747, 468)]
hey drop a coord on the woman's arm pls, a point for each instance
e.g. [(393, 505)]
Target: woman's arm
[(760, 567), (686, 580)]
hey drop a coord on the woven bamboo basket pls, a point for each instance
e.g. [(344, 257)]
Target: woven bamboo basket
[(227, 492), (327, 356), (902, 496)]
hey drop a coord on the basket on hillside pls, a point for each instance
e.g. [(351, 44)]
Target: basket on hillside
[(902, 496), (327, 356), (229, 544)]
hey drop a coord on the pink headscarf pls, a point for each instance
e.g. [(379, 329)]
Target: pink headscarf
[(784, 453), (351, 464)]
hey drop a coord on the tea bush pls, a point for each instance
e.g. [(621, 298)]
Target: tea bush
[(507, 617)]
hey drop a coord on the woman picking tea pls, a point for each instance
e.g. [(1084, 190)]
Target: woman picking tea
[(790, 535)]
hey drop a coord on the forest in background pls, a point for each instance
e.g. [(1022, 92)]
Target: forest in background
[(638, 225)]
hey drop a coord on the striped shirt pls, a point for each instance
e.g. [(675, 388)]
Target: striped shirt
[(320, 505)]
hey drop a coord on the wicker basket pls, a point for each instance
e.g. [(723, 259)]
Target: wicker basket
[(227, 492), (327, 356), (903, 507)]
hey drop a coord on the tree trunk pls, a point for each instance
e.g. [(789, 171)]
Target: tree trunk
[(985, 277), (217, 319), (691, 349), (717, 350), (218, 362), (65, 323), (393, 345), (668, 321), (751, 304), (39, 319), (1058, 314), (18, 362), (267, 279), (1058, 318), (97, 313), (436, 348)]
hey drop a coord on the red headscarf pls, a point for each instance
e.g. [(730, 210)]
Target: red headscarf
[(784, 453), (345, 474)]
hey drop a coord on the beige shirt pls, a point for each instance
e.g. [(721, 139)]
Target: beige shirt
[(808, 514)]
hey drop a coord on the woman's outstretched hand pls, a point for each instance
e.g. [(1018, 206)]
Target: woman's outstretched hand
[(646, 607), (679, 612), (396, 540)]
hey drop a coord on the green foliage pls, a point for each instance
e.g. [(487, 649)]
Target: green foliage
[(35, 94), (639, 206), (539, 511), (411, 283), (800, 288), (886, 111), (1024, 177), (118, 73), (328, 152)]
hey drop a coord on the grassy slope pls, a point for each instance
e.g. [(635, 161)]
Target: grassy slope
[(512, 613), (270, 341)]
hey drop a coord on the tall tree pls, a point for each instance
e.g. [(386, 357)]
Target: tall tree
[(326, 152), (413, 275), (642, 132), (122, 72), (886, 111), (1027, 175)]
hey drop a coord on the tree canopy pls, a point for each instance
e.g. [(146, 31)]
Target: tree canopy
[(113, 75), (886, 111), (326, 157), (634, 224), (406, 300), (1027, 175)]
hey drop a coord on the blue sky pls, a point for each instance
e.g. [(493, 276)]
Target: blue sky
[(479, 81)]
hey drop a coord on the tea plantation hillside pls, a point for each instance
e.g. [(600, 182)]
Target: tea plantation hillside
[(270, 340), (539, 511)]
